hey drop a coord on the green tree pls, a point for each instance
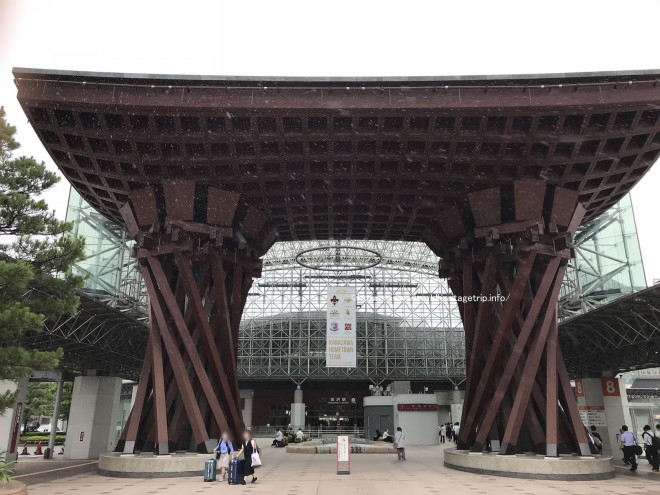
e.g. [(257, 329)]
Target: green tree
[(65, 402), (36, 254), (40, 400)]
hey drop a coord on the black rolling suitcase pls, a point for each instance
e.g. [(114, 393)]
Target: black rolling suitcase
[(209, 470), (235, 475)]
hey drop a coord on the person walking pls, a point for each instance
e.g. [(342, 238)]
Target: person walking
[(629, 444), (651, 447), (443, 433), (247, 448), (222, 453), (457, 429), (597, 439), (400, 444)]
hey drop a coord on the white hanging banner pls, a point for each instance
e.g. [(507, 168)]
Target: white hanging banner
[(342, 326)]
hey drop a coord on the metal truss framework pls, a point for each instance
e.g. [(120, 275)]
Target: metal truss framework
[(607, 265), (113, 277), (409, 326), (625, 334), (96, 337)]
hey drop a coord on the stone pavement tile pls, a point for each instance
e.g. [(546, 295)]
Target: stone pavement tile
[(307, 474)]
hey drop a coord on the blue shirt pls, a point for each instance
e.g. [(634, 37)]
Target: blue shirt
[(628, 439), (224, 447)]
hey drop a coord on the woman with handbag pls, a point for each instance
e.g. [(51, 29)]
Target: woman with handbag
[(250, 452)]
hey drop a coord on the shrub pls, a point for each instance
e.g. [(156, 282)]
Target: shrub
[(33, 439), (6, 468)]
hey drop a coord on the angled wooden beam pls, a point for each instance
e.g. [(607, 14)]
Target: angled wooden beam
[(180, 374), (531, 366), (207, 338), (468, 309), (133, 423), (188, 343), (160, 411), (504, 328), (551, 391), (520, 346), (570, 406)]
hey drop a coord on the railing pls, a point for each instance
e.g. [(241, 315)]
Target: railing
[(311, 432)]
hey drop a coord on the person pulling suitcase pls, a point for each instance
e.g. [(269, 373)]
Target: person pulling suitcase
[(223, 452), (251, 453)]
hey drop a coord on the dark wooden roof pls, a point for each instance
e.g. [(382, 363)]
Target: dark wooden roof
[(360, 158)]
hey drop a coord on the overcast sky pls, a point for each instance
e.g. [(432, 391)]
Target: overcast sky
[(332, 38)]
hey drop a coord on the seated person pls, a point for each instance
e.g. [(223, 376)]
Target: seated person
[(300, 436), (387, 437), (278, 439)]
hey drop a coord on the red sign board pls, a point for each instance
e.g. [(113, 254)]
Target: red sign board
[(579, 388), (610, 387), (417, 407), (17, 427)]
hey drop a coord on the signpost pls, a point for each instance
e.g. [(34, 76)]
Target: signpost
[(16, 427), (593, 416), (341, 338), (343, 453)]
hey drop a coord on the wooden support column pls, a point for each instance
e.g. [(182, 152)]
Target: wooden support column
[(552, 397), (517, 390), (197, 276)]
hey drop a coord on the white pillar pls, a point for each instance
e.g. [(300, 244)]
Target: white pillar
[(55, 417), (134, 390), (298, 409), (10, 420), (456, 407), (94, 416), (603, 403), (247, 397)]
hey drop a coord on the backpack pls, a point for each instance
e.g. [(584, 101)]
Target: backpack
[(655, 441)]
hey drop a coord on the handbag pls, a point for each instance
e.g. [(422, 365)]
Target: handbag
[(638, 450), (255, 458)]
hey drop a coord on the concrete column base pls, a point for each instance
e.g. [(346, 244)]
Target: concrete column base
[(94, 416), (562, 468), (148, 465)]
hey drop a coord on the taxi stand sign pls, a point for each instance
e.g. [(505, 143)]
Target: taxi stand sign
[(343, 453)]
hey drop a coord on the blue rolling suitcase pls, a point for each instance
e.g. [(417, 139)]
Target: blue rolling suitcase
[(209, 470), (235, 475)]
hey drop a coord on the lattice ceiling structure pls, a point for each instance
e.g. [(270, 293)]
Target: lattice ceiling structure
[(409, 325), (383, 170)]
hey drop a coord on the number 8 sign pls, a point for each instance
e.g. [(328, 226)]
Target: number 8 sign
[(610, 387), (579, 388)]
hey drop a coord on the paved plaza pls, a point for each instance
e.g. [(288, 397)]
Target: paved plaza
[(300, 474)]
